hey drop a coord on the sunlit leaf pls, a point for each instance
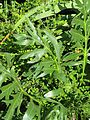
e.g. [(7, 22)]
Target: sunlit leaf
[(53, 93), (33, 32), (22, 39), (72, 63), (2, 78), (37, 52), (31, 111)]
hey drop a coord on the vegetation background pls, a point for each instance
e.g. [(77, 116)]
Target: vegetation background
[(44, 60)]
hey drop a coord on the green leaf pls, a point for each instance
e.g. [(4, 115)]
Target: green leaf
[(88, 25), (33, 32), (53, 93), (12, 73), (22, 39), (8, 57), (56, 45), (71, 56), (48, 66), (60, 75), (72, 63), (58, 112), (2, 78), (2, 68), (78, 22), (38, 53), (28, 14), (87, 4), (43, 68), (42, 75), (31, 111), (79, 3), (14, 104), (7, 90), (77, 35), (44, 15)]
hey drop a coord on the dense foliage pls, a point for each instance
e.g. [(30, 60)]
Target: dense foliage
[(44, 61)]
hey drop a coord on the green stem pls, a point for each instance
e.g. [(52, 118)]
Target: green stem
[(24, 92), (85, 49)]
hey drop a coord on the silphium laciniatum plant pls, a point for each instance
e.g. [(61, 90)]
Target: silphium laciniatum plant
[(53, 80), (62, 73)]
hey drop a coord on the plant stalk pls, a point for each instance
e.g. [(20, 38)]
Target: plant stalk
[(85, 49)]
